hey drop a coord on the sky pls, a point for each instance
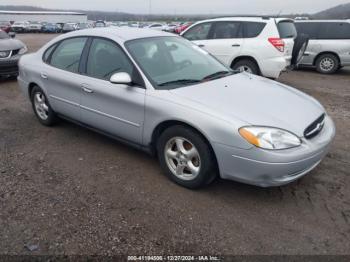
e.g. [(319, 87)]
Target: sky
[(187, 6)]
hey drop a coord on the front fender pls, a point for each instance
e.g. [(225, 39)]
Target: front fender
[(214, 128)]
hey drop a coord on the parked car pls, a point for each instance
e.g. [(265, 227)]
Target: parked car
[(258, 45), (10, 51), (170, 28), (5, 26), (84, 26), (100, 23), (161, 93), (156, 26), (329, 44), (20, 27), (69, 27), (182, 27), (51, 28), (34, 27)]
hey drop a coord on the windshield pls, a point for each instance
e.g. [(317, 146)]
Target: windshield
[(4, 35), (171, 62)]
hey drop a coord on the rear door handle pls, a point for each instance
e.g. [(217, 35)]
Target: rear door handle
[(44, 75), (86, 89), (201, 45), (236, 45)]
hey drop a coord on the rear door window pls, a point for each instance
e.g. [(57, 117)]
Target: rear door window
[(287, 29), (48, 52), (67, 55), (252, 29), (198, 32), (335, 31), (227, 30), (311, 29)]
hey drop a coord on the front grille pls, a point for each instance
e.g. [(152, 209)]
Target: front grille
[(15, 52), (9, 70), (315, 128)]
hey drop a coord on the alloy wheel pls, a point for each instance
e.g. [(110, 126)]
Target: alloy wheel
[(327, 64), (41, 108), (182, 158)]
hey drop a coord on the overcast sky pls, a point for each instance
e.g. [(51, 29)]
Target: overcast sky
[(187, 6)]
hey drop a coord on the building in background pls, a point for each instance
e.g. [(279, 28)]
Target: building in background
[(52, 17)]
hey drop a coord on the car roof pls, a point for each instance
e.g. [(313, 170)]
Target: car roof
[(123, 33), (324, 21), (247, 18)]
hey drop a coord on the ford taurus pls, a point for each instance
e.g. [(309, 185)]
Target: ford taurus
[(163, 94)]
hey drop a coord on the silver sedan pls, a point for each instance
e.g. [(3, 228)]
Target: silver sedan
[(163, 94)]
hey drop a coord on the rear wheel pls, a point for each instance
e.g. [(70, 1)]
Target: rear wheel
[(327, 64), (246, 65), (185, 157), (42, 108)]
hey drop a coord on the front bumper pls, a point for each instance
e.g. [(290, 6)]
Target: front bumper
[(268, 168), (9, 67)]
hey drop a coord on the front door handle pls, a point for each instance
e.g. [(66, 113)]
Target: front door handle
[(44, 75), (236, 45), (201, 45)]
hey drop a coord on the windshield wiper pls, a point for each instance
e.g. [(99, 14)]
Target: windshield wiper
[(180, 81), (218, 75)]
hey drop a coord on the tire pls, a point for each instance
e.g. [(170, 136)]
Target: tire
[(248, 66), (203, 160), (327, 64), (42, 109)]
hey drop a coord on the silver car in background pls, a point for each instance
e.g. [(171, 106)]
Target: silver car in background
[(163, 94), (329, 44)]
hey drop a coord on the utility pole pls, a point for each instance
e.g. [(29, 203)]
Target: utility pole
[(150, 8)]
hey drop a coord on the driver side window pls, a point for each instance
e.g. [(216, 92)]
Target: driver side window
[(105, 59), (198, 32)]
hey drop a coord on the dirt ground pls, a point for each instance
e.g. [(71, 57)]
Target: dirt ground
[(67, 190)]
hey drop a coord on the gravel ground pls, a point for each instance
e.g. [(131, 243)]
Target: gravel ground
[(67, 190)]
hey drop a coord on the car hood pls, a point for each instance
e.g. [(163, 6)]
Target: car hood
[(10, 44), (255, 101)]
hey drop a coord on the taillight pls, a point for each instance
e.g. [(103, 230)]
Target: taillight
[(278, 43)]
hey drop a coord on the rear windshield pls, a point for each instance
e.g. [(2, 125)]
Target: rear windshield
[(287, 29)]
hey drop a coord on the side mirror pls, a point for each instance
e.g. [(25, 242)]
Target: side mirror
[(12, 34), (121, 78)]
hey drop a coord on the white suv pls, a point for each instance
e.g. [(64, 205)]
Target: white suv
[(259, 45)]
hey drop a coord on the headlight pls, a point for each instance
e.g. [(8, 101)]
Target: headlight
[(23, 50), (269, 137)]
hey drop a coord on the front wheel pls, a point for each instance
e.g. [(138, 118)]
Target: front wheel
[(186, 157), (42, 108)]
